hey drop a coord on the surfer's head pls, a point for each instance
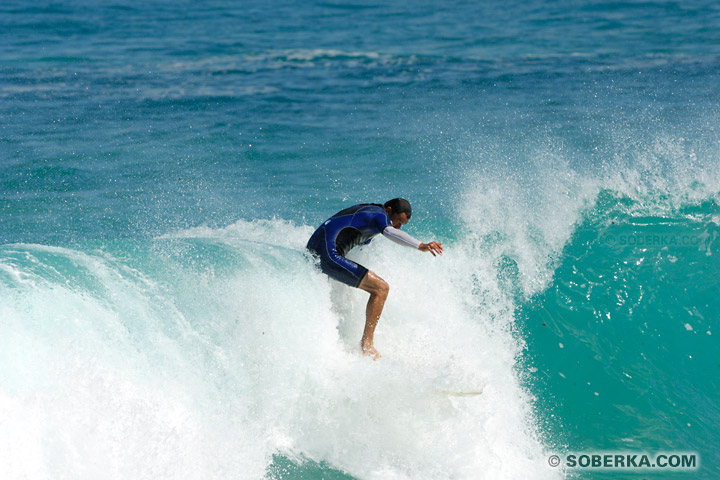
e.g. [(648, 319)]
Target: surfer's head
[(399, 211)]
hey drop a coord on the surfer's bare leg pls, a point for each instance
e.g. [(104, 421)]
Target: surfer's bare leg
[(378, 290)]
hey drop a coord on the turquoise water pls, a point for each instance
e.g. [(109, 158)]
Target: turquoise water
[(163, 164)]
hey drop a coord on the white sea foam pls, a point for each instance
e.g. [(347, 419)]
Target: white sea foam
[(162, 370), (527, 216), (524, 202)]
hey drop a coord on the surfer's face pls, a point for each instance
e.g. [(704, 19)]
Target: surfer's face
[(399, 219)]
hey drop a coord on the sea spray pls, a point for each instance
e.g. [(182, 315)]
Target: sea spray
[(204, 353)]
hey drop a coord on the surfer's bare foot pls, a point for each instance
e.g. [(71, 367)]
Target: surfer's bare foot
[(369, 350)]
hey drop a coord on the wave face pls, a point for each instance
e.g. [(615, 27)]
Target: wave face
[(628, 328), (614, 276)]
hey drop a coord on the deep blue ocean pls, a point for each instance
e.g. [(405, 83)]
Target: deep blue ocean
[(162, 165)]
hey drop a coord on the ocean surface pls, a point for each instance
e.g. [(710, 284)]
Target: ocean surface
[(162, 165)]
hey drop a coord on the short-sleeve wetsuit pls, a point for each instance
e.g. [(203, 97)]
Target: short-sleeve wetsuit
[(346, 229)]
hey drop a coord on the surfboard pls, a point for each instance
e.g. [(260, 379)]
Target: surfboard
[(453, 393)]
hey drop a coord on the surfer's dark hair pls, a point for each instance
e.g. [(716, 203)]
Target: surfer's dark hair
[(399, 205)]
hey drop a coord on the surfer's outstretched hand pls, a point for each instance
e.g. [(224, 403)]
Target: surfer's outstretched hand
[(435, 248)]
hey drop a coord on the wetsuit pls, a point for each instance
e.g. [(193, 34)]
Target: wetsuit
[(349, 228)]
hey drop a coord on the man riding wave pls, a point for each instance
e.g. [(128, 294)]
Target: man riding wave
[(355, 226)]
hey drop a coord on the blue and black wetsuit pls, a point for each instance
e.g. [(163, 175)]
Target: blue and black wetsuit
[(346, 229)]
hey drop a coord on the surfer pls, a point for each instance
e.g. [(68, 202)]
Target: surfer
[(355, 226)]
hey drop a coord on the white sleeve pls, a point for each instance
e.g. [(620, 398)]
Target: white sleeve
[(400, 237)]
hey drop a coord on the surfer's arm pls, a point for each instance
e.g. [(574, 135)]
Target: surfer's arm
[(401, 238)]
